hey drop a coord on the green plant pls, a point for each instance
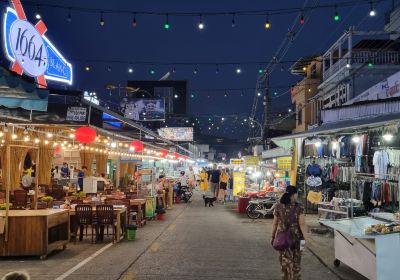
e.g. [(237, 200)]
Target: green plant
[(79, 195), (4, 205)]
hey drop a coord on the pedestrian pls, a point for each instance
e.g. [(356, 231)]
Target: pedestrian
[(214, 180), (64, 170), (203, 181), (81, 175), (230, 187), (289, 215), (56, 173), (223, 185), (191, 177)]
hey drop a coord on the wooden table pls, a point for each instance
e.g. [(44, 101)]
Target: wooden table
[(121, 222), (140, 205), (35, 232)]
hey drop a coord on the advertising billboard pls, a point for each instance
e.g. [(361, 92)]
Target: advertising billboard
[(177, 133), (143, 109)]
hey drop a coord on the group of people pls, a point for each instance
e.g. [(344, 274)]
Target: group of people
[(216, 183), (65, 172)]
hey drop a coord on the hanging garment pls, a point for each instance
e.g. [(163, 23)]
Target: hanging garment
[(314, 181), (314, 197), (380, 162), (314, 170)]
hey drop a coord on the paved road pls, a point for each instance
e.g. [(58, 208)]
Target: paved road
[(193, 243)]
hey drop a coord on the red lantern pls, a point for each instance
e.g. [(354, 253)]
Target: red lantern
[(164, 153), (176, 156), (85, 135), (137, 145), (184, 157), (57, 150)]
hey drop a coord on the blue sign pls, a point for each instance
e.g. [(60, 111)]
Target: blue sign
[(30, 51)]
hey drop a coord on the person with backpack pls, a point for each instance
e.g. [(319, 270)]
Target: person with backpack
[(289, 232)]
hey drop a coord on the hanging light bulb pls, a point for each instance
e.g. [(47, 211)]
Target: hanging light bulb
[(134, 21), (233, 20), (356, 139), (238, 70), (267, 23), (49, 135), (302, 19), (217, 70), (372, 11), (225, 94), (14, 136), (102, 22), (258, 93), (336, 16), (69, 17), (87, 68), (166, 24), (195, 71), (46, 142), (201, 24), (152, 71), (37, 15), (130, 70), (26, 138), (260, 70), (388, 137)]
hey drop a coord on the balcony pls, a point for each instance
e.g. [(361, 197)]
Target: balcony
[(362, 57)]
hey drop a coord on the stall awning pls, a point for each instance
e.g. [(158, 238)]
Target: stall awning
[(344, 126), (275, 153)]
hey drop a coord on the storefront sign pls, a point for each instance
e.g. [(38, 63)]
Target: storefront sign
[(251, 161), (76, 114), (177, 133), (284, 163), (237, 161), (239, 182), (30, 51)]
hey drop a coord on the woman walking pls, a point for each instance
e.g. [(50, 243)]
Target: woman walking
[(223, 185), (203, 181), (289, 216)]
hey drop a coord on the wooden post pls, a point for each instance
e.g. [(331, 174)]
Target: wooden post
[(8, 152), (37, 179)]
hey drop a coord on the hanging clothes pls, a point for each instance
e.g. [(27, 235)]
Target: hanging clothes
[(380, 162)]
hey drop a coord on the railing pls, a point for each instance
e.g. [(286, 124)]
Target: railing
[(362, 57)]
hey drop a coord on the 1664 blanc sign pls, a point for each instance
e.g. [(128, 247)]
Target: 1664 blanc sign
[(30, 51)]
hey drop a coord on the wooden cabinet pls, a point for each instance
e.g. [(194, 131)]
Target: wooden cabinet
[(35, 232)]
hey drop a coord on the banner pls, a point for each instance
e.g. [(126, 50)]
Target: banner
[(177, 133), (143, 109), (284, 163), (239, 182), (76, 114)]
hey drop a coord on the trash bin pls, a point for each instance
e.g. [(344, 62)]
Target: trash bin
[(131, 232), (242, 204)]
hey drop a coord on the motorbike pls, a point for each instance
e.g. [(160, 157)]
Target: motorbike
[(185, 194), (261, 207)]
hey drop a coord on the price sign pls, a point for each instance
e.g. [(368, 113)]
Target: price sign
[(28, 46), (77, 114)]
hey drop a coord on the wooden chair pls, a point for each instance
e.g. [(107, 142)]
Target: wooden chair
[(20, 199), (105, 218), (84, 215)]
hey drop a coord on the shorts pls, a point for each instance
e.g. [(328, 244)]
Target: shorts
[(223, 186), (213, 187)]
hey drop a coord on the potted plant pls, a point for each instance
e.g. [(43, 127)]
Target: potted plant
[(48, 199)]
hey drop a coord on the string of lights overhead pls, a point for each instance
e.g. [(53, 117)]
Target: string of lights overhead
[(201, 24)]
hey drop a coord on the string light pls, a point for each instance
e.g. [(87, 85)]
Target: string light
[(152, 71), (302, 19), (69, 17), (238, 70), (267, 23), (134, 21), (102, 22), (130, 70), (195, 71), (201, 24), (260, 70), (166, 24), (37, 15), (372, 11), (336, 17), (87, 68)]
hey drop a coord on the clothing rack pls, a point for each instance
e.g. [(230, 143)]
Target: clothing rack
[(372, 176)]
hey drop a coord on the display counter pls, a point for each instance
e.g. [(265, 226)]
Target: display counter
[(374, 256), (35, 232)]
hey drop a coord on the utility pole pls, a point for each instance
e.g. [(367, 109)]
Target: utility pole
[(267, 114)]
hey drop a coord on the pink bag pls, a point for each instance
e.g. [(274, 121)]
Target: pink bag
[(283, 240)]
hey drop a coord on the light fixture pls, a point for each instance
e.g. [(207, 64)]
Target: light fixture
[(372, 11), (302, 19), (388, 137), (336, 16), (222, 119), (49, 135), (233, 20), (176, 96), (69, 17), (166, 24), (134, 21), (130, 70), (14, 136), (102, 22), (46, 142), (260, 70), (318, 144), (26, 138), (152, 71), (87, 68), (26, 130), (37, 140), (335, 145), (274, 160), (71, 135), (217, 70), (267, 23), (355, 139), (37, 15), (1, 133), (289, 110), (225, 94), (268, 173), (238, 70), (201, 24), (258, 93), (348, 65), (195, 71)]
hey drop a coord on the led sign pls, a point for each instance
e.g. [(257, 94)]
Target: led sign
[(30, 51)]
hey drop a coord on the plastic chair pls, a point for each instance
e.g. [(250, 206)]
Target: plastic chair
[(105, 218), (84, 215)]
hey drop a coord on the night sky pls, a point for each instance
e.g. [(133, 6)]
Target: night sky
[(83, 40)]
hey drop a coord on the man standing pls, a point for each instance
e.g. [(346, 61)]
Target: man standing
[(81, 175), (214, 180)]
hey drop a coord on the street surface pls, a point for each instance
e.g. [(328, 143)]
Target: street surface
[(193, 243)]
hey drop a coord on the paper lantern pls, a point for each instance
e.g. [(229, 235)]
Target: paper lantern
[(176, 155), (57, 150), (164, 153), (85, 135), (137, 145)]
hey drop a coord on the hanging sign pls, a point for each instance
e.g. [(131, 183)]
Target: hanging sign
[(76, 114), (30, 51), (239, 183), (251, 160), (236, 161), (284, 163)]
